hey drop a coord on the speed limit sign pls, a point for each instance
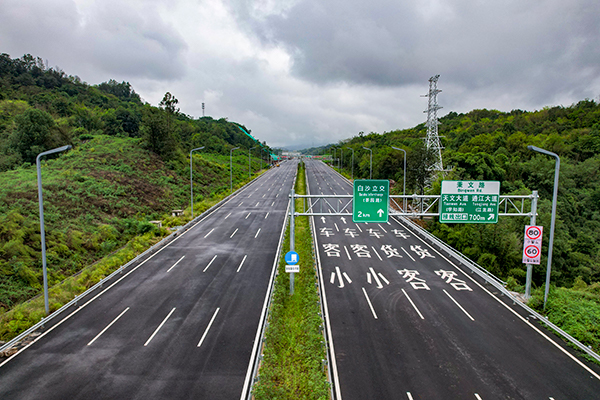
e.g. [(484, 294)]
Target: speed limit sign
[(532, 246)]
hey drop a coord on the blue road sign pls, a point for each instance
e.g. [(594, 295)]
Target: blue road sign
[(291, 257)]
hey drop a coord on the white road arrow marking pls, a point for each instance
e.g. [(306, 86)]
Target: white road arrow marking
[(343, 220)]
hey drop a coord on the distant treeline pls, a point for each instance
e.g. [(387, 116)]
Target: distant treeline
[(492, 145)]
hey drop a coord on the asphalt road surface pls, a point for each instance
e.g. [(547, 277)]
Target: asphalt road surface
[(406, 323), (180, 325)]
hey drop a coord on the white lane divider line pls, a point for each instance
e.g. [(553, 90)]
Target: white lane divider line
[(264, 195), (336, 227), (211, 261), (257, 203), (382, 228), (205, 236), (108, 326), (240, 203), (257, 232), (208, 327), (409, 396), (369, 301), (347, 253), (176, 263), (160, 326), (248, 215), (266, 215), (272, 204), (227, 216), (250, 195), (236, 229), (479, 397), (459, 306), (413, 304), (380, 259), (358, 227), (242, 263), (407, 253)]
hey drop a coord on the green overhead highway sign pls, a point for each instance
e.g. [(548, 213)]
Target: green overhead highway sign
[(371, 200), (469, 202)]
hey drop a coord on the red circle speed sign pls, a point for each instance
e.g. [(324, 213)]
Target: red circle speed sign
[(533, 232), (532, 251)]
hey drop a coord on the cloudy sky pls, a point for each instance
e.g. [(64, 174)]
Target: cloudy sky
[(311, 72)]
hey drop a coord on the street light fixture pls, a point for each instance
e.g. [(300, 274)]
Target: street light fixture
[(352, 161), (231, 169), (552, 223), (192, 180), (370, 163), (404, 179), (42, 230), (249, 150)]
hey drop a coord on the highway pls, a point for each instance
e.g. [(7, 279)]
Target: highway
[(179, 325), (406, 323)]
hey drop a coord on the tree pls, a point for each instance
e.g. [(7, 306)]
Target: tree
[(33, 134)]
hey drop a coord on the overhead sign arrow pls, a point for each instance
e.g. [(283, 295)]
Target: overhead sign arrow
[(380, 212)]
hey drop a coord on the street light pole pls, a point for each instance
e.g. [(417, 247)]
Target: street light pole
[(42, 230), (352, 162), (192, 180), (341, 163), (249, 173), (231, 169), (404, 179), (370, 162), (552, 223)]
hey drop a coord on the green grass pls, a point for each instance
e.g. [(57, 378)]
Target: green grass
[(293, 366)]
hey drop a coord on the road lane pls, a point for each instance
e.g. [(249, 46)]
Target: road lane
[(406, 320), (191, 320)]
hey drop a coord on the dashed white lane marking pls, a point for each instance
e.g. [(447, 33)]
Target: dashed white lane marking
[(407, 253), (242, 263), (369, 301), (240, 203), (176, 263), (209, 233), (108, 326), (413, 304), (236, 229), (208, 327), (211, 261), (459, 306), (160, 326), (257, 232), (248, 215), (336, 227), (347, 253), (409, 396), (266, 215), (380, 259), (479, 397), (227, 216)]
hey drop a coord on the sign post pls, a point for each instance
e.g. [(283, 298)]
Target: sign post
[(291, 259), (371, 200), (469, 202)]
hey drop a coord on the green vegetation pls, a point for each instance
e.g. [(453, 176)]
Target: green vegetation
[(292, 367), (129, 165)]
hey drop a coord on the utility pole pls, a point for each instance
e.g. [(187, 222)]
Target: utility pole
[(432, 141)]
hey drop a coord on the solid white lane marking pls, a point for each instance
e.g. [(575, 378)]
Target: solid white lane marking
[(266, 215), (369, 301), (409, 396), (380, 259), (108, 326), (248, 215), (347, 253), (176, 263), (257, 232), (236, 229), (407, 253), (336, 227), (459, 306), (211, 261), (227, 216), (208, 327), (160, 326), (242, 263), (209, 233), (413, 304)]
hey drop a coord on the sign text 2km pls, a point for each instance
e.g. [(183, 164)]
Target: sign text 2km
[(469, 202), (371, 200)]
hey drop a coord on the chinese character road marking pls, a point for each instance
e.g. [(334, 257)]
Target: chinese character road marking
[(411, 277), (360, 250), (327, 232), (421, 252), (332, 250), (390, 251), (376, 276), (375, 233), (339, 275), (350, 232), (450, 277), (400, 233)]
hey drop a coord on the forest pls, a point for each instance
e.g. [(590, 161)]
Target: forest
[(492, 145), (129, 165)]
